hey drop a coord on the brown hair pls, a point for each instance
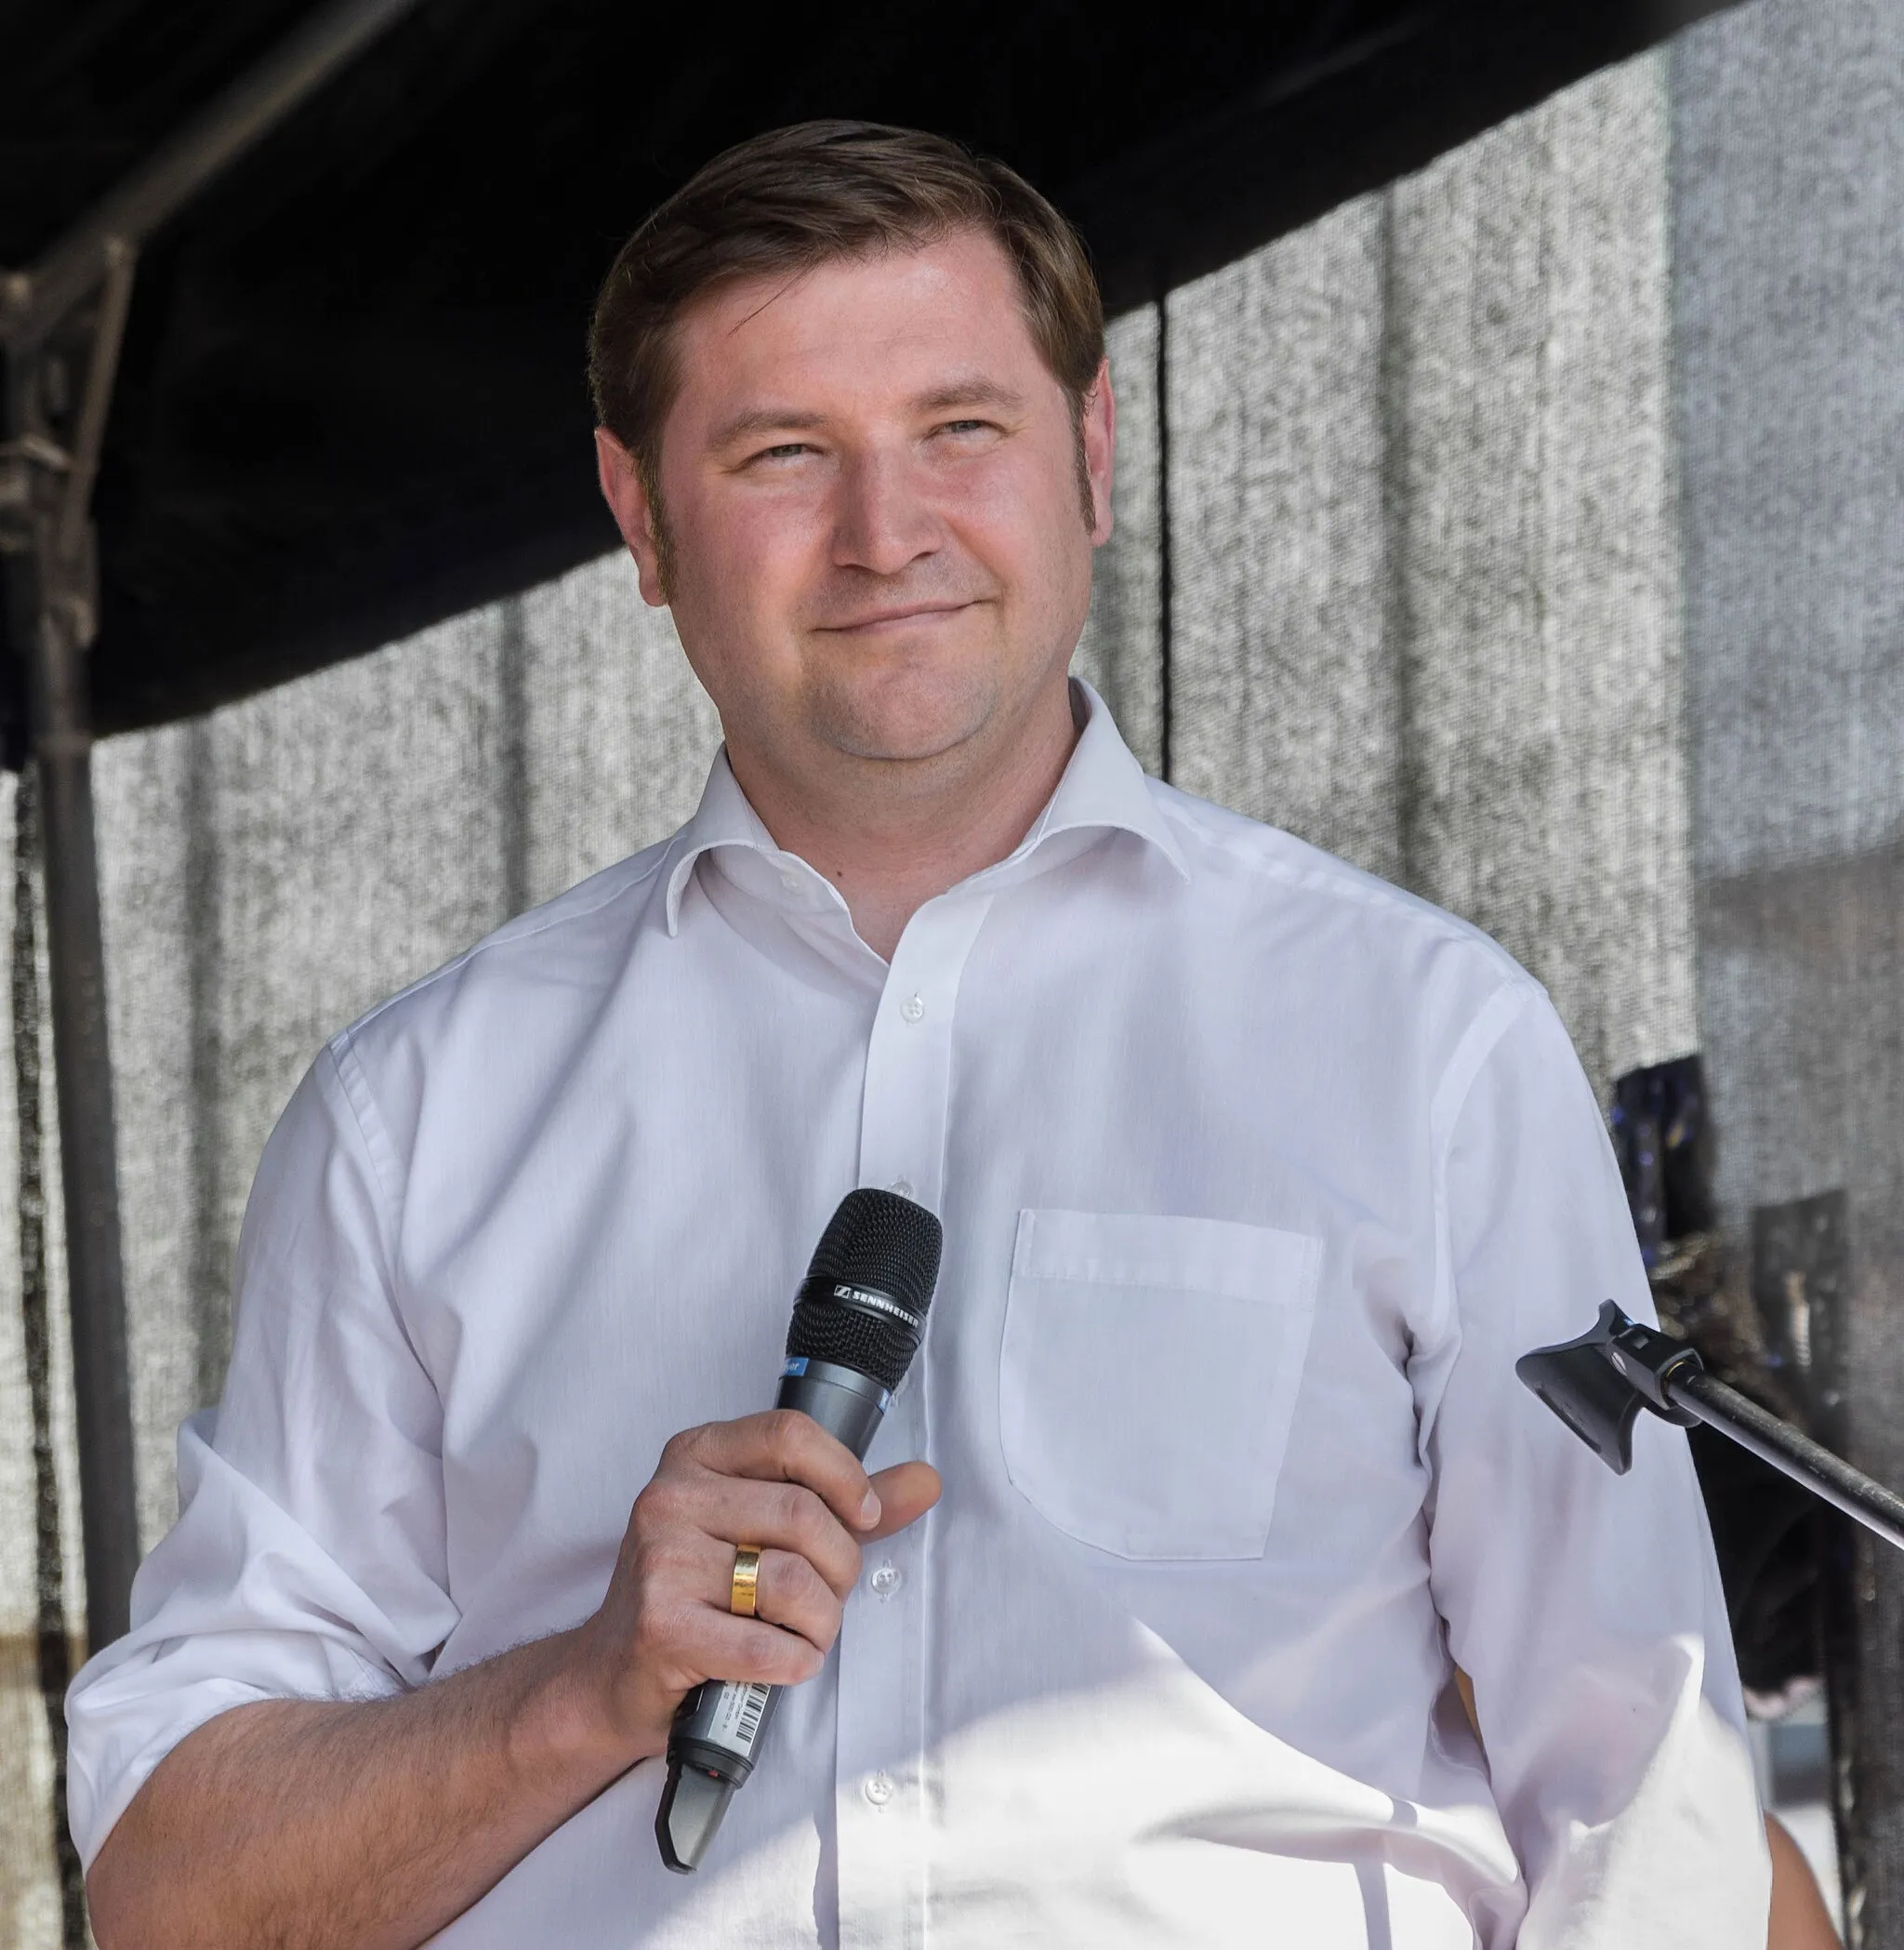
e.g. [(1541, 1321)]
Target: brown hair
[(782, 203)]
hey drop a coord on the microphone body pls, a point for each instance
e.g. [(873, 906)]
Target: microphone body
[(856, 1324)]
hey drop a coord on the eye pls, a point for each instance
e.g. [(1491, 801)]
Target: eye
[(784, 450), (966, 426)]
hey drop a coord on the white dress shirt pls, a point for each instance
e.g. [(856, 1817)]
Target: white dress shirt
[(1256, 1177)]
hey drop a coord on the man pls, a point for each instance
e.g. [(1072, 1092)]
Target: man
[(1256, 1177)]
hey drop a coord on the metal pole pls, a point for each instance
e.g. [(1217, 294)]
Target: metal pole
[(70, 537), (36, 301), (47, 565), (61, 737), (58, 711), (1794, 1454)]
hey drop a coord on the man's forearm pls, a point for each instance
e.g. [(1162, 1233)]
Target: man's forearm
[(295, 1825), (299, 1825)]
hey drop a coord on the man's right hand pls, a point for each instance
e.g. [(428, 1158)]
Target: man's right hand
[(374, 1823), (777, 1482)]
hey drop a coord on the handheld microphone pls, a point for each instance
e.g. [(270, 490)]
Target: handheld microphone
[(857, 1322)]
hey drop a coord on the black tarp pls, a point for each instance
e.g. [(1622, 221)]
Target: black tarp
[(351, 401)]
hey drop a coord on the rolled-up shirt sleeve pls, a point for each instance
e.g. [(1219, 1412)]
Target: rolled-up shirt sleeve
[(308, 1560), (1584, 1606)]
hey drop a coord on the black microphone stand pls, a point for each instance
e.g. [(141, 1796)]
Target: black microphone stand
[(1598, 1384)]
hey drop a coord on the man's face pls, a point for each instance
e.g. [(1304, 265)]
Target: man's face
[(871, 486)]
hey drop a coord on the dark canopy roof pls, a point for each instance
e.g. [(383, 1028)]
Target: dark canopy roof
[(351, 398)]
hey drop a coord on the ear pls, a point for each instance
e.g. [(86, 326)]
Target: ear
[(1098, 430), (634, 513)]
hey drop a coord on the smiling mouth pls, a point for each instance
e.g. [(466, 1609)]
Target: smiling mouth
[(894, 618)]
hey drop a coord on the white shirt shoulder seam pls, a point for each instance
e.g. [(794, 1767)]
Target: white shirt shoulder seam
[(349, 1066), (371, 1133), (1332, 877), (512, 932), (1490, 1022)]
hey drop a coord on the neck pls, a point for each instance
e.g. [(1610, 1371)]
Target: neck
[(891, 835)]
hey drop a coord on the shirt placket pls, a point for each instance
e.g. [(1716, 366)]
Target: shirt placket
[(880, 1785)]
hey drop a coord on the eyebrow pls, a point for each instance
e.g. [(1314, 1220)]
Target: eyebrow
[(970, 392), (786, 419), (764, 420)]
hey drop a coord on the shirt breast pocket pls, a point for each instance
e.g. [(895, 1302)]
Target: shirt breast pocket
[(1148, 1377)]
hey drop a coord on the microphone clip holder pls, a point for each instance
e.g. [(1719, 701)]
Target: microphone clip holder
[(1599, 1385)]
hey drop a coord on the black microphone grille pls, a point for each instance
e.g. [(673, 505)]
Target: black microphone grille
[(863, 1301), (878, 1240)]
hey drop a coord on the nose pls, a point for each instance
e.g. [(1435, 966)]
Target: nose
[(884, 521)]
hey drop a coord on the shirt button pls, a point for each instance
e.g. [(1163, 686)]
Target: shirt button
[(888, 1579), (903, 1186), (790, 882), (913, 1008), (879, 1789)]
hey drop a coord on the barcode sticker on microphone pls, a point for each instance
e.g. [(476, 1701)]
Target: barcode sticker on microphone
[(737, 1719)]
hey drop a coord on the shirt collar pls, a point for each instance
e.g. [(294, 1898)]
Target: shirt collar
[(1104, 789)]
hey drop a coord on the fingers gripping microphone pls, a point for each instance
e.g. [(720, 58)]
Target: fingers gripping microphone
[(857, 1324)]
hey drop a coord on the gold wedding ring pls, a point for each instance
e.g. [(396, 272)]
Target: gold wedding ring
[(744, 1597)]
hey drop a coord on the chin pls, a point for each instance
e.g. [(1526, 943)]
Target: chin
[(906, 715)]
